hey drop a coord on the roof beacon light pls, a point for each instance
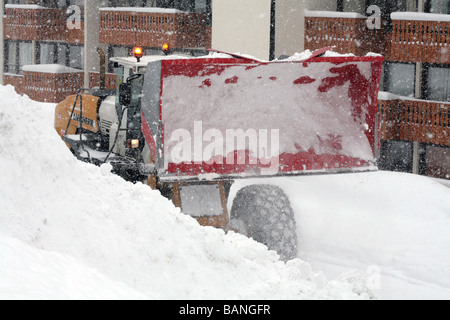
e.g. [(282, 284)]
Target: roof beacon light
[(166, 48), (138, 53)]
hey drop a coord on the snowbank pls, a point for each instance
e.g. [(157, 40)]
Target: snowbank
[(31, 273), (120, 237)]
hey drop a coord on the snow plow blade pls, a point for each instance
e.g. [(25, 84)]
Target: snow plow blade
[(235, 117)]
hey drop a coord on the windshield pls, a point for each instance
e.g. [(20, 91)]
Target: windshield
[(136, 90)]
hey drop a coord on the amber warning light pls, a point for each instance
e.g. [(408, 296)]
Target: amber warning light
[(166, 48), (138, 53)]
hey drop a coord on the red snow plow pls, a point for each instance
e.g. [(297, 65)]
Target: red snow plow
[(190, 126), (235, 117)]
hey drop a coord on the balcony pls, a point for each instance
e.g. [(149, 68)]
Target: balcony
[(414, 120), (47, 83), (152, 27), (17, 81), (32, 22), (415, 37), (419, 37), (345, 30)]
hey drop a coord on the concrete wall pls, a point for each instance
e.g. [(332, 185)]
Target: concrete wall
[(91, 36), (241, 26), (244, 25), (290, 23)]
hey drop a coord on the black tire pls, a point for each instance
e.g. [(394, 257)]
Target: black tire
[(264, 213)]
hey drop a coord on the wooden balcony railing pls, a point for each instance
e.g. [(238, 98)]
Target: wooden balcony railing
[(415, 37), (347, 31), (415, 120), (39, 23), (421, 39), (153, 28), (53, 85), (17, 81), (50, 87)]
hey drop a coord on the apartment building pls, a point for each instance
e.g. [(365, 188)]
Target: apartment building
[(50, 46)]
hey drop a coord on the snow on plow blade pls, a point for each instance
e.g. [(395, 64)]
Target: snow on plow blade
[(241, 117)]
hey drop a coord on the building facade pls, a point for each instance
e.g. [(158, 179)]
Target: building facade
[(60, 38), (412, 35)]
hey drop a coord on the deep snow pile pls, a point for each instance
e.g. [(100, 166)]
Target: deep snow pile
[(30, 273), (119, 235)]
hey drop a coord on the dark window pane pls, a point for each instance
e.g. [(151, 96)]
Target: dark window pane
[(396, 156), (62, 54), (76, 57), (438, 84), (400, 79), (439, 6), (47, 53), (25, 54), (12, 57)]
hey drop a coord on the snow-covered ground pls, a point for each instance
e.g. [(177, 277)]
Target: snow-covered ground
[(394, 227), (70, 230)]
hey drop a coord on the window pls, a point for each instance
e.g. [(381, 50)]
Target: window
[(399, 78), (15, 2), (61, 3), (10, 59), (396, 156), (389, 6), (437, 164), (436, 84), (201, 5), (62, 55), (76, 57), (17, 54), (351, 6), (438, 6), (47, 54), (25, 53)]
